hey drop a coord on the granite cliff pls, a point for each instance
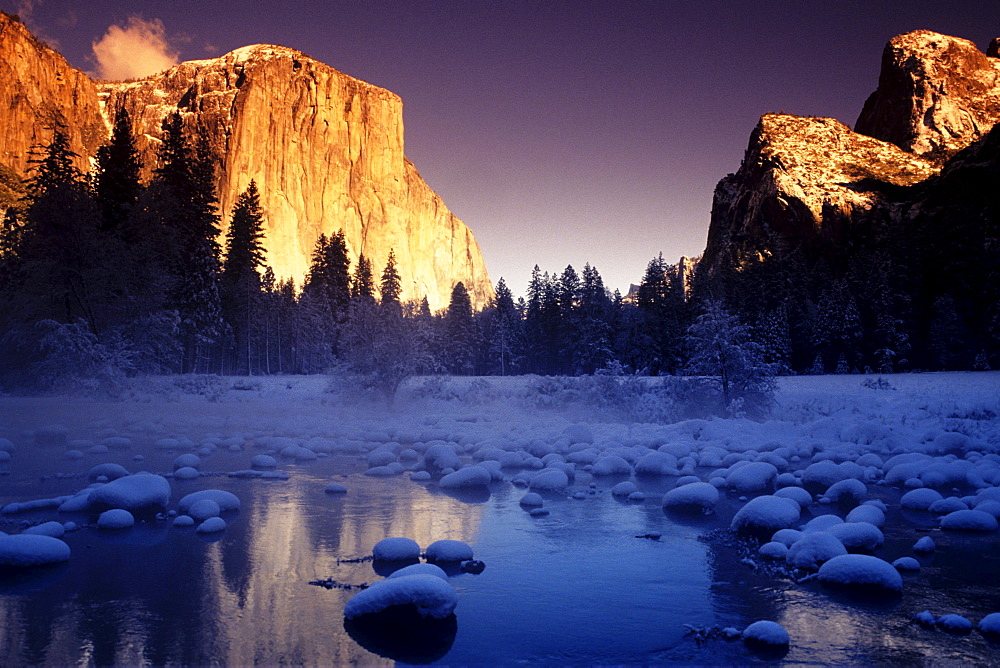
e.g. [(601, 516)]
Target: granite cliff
[(803, 181), (40, 90), (325, 149)]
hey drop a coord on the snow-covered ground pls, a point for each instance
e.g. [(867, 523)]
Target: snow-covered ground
[(592, 569)]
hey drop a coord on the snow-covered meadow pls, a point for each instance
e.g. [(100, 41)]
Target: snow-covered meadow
[(859, 520)]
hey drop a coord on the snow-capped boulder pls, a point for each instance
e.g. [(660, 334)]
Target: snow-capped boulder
[(396, 549), (188, 460), (813, 549), (549, 480), (990, 624), (920, 499), (448, 551), (858, 536), (697, 495), (419, 569), (752, 477), (787, 537), (212, 525), (27, 550), (263, 462), (821, 523), (773, 550), (611, 465), (766, 633), (860, 570), (204, 509), (136, 493), (429, 594), (109, 470), (954, 623), (797, 494), (53, 529), (624, 488), (766, 514), (186, 473), (227, 500), (468, 477), (656, 463), (865, 513), (116, 518), (906, 564), (847, 491), (969, 520)]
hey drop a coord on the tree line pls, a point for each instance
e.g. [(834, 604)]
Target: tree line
[(107, 274)]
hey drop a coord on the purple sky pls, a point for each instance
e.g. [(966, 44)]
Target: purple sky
[(563, 132)]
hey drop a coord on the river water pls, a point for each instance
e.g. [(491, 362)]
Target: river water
[(578, 586)]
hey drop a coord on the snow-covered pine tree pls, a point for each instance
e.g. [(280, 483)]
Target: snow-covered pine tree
[(728, 362), (390, 287), (461, 332), (504, 334), (363, 281)]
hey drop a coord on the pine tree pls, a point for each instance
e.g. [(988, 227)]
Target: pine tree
[(57, 247), (838, 327), (327, 291), (504, 336), (660, 301), (533, 326), (773, 335), (117, 182), (184, 202), (729, 361), (329, 277), (460, 331), (363, 283), (390, 287), (592, 350), (241, 281)]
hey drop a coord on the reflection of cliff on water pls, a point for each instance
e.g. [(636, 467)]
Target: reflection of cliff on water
[(158, 594), (295, 533)]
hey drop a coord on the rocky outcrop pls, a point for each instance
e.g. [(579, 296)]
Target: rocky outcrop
[(936, 95), (325, 149), (803, 181), (39, 91)]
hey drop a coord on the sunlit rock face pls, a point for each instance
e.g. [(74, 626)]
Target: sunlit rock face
[(803, 181), (40, 90), (325, 149), (936, 95)]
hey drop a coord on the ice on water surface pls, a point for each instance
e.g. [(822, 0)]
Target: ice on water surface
[(610, 570)]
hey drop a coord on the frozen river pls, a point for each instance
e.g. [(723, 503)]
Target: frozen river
[(580, 585)]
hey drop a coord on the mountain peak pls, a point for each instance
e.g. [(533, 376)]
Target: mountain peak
[(325, 149), (936, 95)]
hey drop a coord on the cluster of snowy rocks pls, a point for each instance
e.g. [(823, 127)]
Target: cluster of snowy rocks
[(116, 497), (422, 586), (808, 490)]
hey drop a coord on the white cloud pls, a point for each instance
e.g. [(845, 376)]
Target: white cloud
[(135, 50)]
